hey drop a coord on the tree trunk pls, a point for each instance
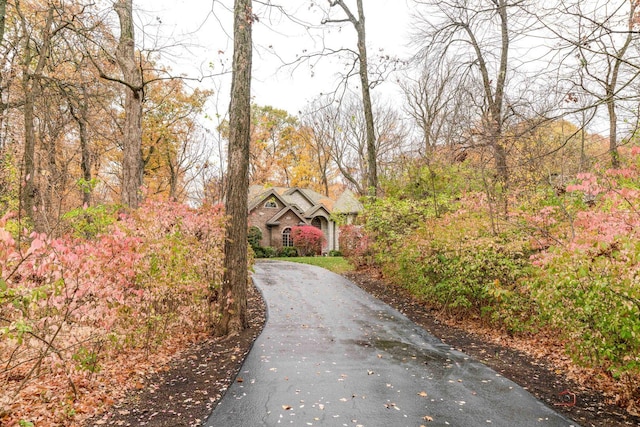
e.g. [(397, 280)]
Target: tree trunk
[(174, 172), (613, 130), (31, 88), (363, 64), (233, 293), (85, 151), (28, 193), (366, 102), (3, 14), (498, 102), (132, 166)]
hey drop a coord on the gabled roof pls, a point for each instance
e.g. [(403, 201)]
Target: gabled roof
[(347, 203), (312, 211), (304, 194), (286, 193), (276, 218), (261, 197)]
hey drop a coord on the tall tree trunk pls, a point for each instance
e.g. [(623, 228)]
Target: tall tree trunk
[(132, 165), (31, 87), (3, 14), (28, 192), (498, 102), (233, 293), (372, 154), (613, 129), (174, 177)]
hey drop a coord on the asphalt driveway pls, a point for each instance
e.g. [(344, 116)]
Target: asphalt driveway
[(332, 355)]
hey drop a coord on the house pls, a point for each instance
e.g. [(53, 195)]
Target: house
[(275, 210)]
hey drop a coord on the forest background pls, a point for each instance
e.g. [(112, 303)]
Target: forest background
[(500, 185)]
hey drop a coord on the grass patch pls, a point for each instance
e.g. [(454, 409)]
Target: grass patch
[(336, 264)]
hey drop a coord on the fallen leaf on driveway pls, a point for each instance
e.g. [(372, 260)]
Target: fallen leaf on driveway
[(286, 407), (422, 394)]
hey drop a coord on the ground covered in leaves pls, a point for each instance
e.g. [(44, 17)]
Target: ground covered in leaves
[(188, 390)]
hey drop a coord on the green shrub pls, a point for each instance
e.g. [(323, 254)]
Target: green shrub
[(457, 265), (254, 236), (91, 221), (593, 297), (264, 252), (389, 220), (288, 252), (334, 253)]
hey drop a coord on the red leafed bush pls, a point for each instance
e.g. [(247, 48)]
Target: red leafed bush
[(355, 245), (79, 317), (308, 240)]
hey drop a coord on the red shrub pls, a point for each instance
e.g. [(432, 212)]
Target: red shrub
[(355, 245), (308, 240)]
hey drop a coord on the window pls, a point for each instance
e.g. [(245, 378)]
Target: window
[(286, 237), (271, 204)]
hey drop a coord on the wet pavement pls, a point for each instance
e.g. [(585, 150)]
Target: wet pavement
[(332, 355)]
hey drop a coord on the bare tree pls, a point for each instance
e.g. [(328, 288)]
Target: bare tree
[(598, 40), (36, 51), (358, 22), (478, 33), (343, 130), (319, 133), (438, 102), (79, 110), (233, 292)]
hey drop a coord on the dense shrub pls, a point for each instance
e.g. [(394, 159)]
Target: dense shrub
[(91, 221), (588, 287), (288, 252), (389, 220), (80, 315), (355, 245), (308, 239), (265, 252), (458, 265), (254, 237), (567, 260)]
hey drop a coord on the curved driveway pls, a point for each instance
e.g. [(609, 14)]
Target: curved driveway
[(332, 355)]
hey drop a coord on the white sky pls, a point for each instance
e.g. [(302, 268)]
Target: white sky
[(196, 27)]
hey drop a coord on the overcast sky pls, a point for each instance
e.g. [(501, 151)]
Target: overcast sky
[(200, 30)]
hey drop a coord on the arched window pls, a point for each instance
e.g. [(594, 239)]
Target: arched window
[(271, 204), (317, 223), (286, 237)]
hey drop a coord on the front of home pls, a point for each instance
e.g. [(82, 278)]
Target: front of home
[(276, 210)]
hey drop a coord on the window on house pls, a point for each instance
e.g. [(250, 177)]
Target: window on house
[(271, 204), (317, 223), (286, 237)]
